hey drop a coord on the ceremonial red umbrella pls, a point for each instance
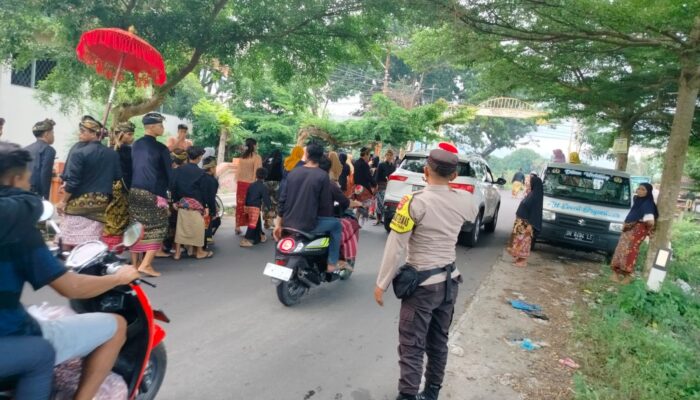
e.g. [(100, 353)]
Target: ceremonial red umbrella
[(112, 51)]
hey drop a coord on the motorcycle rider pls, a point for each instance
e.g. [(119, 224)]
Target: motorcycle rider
[(96, 336), (307, 190), (426, 225)]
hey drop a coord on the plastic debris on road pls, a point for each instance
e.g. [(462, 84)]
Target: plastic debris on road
[(523, 306)]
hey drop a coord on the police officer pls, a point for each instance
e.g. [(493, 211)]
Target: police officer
[(427, 224)]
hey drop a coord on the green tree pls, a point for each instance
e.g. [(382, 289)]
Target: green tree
[(526, 159), (488, 134), (666, 31), (290, 36)]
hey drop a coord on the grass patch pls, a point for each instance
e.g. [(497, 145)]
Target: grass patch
[(641, 345)]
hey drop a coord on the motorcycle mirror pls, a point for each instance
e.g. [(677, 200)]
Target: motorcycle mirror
[(48, 212), (133, 234)]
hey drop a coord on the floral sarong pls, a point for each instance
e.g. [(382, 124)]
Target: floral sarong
[(252, 215), (76, 230), (349, 238), (627, 249), (521, 239), (117, 212)]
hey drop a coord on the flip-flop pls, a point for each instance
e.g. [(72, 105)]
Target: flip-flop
[(210, 254)]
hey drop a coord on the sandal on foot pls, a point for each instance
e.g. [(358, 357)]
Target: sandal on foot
[(246, 243), (210, 254)]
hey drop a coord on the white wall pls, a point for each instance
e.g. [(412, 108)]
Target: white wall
[(21, 110)]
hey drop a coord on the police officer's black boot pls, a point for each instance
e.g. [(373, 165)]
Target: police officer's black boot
[(430, 392), (403, 396)]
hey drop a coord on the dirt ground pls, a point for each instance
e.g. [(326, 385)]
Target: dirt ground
[(486, 359)]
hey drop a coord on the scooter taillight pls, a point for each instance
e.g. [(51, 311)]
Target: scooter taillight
[(286, 245), (281, 262)]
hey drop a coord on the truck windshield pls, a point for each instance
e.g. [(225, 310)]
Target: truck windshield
[(587, 187)]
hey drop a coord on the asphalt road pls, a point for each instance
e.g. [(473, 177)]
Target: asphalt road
[(230, 338)]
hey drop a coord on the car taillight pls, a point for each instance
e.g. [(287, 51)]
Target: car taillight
[(286, 245), (399, 178), (463, 186)]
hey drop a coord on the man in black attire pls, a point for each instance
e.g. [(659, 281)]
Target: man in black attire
[(384, 169), (518, 177), (152, 171), (211, 187), (363, 173), (307, 190), (43, 156)]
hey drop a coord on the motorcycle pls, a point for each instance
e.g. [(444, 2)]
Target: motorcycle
[(301, 260), (142, 361)]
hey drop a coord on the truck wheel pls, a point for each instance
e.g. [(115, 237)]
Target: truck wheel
[(491, 226)]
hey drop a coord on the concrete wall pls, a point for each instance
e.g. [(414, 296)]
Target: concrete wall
[(21, 110)]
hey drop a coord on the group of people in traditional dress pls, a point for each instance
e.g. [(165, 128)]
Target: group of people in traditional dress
[(108, 187), (639, 225)]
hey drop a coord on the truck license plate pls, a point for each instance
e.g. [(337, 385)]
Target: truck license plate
[(278, 272), (580, 236)]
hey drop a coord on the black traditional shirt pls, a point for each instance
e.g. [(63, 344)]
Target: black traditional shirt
[(43, 156), (187, 182), (91, 168), (152, 170), (124, 152)]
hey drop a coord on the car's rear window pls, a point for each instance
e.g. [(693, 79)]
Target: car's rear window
[(417, 163)]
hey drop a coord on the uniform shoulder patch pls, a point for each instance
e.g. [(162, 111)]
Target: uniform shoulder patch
[(402, 222)]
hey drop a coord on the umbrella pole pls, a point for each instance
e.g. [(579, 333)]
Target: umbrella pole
[(112, 91)]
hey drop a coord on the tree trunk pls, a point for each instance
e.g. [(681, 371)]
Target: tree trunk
[(674, 158), (223, 139), (621, 158), (387, 65)]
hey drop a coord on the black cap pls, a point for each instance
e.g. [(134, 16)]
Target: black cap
[(152, 118)]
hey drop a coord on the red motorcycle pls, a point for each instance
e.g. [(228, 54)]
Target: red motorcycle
[(142, 361)]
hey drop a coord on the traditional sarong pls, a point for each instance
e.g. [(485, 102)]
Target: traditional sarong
[(241, 192), (76, 230), (89, 205), (152, 212), (517, 187), (627, 249), (252, 215), (349, 238), (521, 239), (116, 215), (84, 218), (190, 228)]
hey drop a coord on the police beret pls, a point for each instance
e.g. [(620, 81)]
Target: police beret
[(152, 118), (43, 126), (127, 126)]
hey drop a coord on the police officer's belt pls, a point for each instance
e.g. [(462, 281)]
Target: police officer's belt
[(408, 279)]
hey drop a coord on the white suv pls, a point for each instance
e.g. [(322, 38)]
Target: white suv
[(473, 175)]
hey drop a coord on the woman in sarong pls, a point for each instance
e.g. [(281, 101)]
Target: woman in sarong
[(249, 162), (528, 221), (638, 225), (89, 176)]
